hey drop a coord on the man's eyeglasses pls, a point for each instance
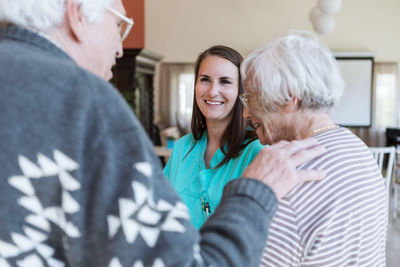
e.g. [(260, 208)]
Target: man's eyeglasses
[(125, 25)]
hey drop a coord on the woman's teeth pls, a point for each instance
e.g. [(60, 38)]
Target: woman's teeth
[(214, 103)]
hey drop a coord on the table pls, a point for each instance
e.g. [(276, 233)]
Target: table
[(163, 151)]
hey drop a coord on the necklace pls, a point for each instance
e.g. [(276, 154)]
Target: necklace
[(330, 126)]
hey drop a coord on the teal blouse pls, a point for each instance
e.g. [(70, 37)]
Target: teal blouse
[(197, 185)]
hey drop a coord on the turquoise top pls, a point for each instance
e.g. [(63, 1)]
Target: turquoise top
[(190, 178)]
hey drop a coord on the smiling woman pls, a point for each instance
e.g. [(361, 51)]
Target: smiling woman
[(219, 147), (216, 89)]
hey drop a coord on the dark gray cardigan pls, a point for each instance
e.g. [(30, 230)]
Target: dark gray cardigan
[(80, 184)]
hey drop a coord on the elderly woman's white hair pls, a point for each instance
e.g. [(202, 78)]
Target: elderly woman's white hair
[(294, 65), (44, 14)]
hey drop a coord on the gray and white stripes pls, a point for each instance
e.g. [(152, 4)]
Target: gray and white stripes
[(339, 221)]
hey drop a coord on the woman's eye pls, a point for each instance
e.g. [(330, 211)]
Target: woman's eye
[(226, 82), (204, 79)]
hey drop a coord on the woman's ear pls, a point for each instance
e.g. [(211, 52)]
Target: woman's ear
[(75, 20), (292, 104)]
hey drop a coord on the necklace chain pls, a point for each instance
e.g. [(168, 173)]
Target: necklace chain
[(330, 126)]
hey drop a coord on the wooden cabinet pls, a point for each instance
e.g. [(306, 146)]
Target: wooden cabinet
[(133, 76)]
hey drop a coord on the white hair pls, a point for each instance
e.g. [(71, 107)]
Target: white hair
[(299, 65), (44, 14)]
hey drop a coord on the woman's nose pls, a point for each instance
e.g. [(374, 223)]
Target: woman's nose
[(214, 89), (246, 113)]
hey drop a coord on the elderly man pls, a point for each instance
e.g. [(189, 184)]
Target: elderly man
[(80, 182), (291, 84)]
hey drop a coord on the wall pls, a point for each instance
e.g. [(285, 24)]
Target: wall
[(180, 29), (135, 9)]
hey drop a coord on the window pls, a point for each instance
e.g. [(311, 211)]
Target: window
[(186, 94), (174, 97), (386, 95)]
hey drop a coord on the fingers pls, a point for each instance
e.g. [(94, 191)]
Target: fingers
[(276, 165), (285, 184), (311, 175), (296, 146), (301, 151), (304, 156), (280, 144)]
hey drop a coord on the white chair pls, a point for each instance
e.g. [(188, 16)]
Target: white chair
[(379, 155)]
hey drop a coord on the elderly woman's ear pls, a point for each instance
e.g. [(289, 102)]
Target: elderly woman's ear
[(291, 104)]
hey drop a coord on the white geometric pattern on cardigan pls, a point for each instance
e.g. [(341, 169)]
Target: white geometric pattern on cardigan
[(148, 222), (32, 242)]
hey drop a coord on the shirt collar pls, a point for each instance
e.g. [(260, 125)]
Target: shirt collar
[(40, 40)]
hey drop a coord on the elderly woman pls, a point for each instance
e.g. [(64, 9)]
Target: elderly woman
[(291, 84)]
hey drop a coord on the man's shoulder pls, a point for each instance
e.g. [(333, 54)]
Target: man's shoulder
[(77, 82), (52, 71), (69, 72)]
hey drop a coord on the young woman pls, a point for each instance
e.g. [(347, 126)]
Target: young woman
[(220, 146)]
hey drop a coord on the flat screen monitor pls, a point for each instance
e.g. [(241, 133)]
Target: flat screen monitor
[(355, 106), (392, 137)]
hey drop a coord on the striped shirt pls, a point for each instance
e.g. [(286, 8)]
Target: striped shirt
[(339, 221)]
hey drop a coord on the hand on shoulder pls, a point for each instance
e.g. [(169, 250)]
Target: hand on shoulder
[(276, 165)]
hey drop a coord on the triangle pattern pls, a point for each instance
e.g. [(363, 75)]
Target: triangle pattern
[(131, 230), (24, 244), (45, 250), (72, 231), (113, 225), (7, 250), (144, 168), (158, 263), (180, 206), (126, 208), (162, 205), (34, 235), (138, 264), (31, 203), (38, 221), (149, 216), (4, 263), (114, 263), (30, 261), (49, 167), (55, 215), (150, 235), (29, 169), (23, 184), (140, 192), (180, 212), (64, 161), (172, 225), (55, 263), (69, 205), (68, 182)]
